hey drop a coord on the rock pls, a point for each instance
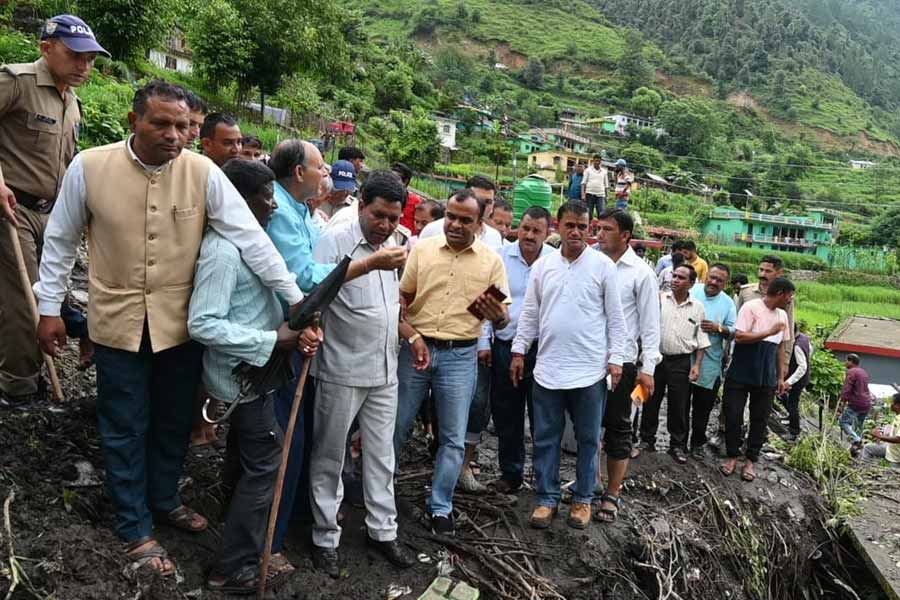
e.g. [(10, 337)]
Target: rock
[(772, 477), (79, 296)]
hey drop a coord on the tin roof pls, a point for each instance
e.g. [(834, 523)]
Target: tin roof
[(867, 335)]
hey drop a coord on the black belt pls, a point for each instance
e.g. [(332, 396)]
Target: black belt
[(447, 344), (675, 356), (32, 202)]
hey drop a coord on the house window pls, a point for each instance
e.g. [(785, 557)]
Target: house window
[(446, 129), (171, 63)]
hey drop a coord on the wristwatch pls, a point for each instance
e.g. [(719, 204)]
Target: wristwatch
[(412, 339)]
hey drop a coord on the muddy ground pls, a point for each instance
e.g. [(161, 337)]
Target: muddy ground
[(685, 532)]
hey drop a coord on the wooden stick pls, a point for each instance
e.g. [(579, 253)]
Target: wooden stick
[(26, 285), (279, 484)]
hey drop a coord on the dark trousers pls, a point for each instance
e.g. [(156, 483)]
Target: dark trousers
[(671, 379), (736, 395), (793, 409), (617, 419), (508, 405), (295, 493), (480, 410), (702, 402), (595, 203), (144, 412), (258, 443)]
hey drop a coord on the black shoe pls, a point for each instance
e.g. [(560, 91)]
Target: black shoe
[(698, 452), (442, 525), (327, 560), (395, 553), (678, 455)]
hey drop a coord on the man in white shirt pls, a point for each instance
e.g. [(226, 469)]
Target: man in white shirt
[(797, 380), (573, 309), (479, 412), (639, 295), (594, 187)]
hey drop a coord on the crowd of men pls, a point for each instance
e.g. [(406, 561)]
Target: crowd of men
[(196, 259)]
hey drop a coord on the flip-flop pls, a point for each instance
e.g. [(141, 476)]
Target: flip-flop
[(727, 472)]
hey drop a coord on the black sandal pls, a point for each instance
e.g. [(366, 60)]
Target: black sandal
[(608, 515), (245, 581)]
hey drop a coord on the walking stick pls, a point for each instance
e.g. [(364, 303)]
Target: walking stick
[(282, 470), (26, 284)]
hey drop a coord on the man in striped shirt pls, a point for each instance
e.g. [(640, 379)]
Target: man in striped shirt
[(682, 344), (239, 319)]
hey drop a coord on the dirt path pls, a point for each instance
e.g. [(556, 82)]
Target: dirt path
[(684, 529)]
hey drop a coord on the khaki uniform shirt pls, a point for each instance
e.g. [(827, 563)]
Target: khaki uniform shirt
[(445, 283), (39, 129), (680, 331)]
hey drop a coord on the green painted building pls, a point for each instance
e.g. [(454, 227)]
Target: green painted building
[(810, 234)]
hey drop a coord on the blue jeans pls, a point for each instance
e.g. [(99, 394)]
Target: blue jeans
[(852, 422), (585, 406), (144, 412), (451, 376), (295, 493)]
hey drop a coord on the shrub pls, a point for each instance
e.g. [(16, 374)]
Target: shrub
[(17, 47), (738, 254)]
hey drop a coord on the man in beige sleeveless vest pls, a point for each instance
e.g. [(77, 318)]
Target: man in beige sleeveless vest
[(146, 205)]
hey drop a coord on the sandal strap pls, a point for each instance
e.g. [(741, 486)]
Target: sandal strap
[(138, 543)]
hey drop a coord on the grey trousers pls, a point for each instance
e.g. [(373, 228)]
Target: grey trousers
[(259, 441), (336, 407)]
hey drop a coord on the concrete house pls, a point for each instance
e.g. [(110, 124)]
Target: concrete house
[(175, 55), (812, 234)]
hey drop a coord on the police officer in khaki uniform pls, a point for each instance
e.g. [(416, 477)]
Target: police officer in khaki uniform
[(40, 119)]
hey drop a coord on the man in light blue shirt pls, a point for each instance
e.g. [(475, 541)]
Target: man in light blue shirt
[(239, 320), (508, 402), (719, 327)]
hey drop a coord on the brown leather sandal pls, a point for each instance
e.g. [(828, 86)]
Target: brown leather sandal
[(184, 518)]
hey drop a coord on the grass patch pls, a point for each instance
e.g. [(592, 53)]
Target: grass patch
[(830, 465)]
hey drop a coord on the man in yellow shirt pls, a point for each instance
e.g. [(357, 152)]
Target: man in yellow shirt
[(689, 251), (443, 277)]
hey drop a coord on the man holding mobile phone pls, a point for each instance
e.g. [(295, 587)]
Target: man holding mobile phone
[(444, 286)]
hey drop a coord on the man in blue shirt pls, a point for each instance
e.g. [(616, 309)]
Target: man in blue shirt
[(508, 402), (299, 169), (575, 183), (719, 327), (239, 319)]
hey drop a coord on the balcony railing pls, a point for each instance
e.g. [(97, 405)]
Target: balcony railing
[(772, 239), (748, 216)]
